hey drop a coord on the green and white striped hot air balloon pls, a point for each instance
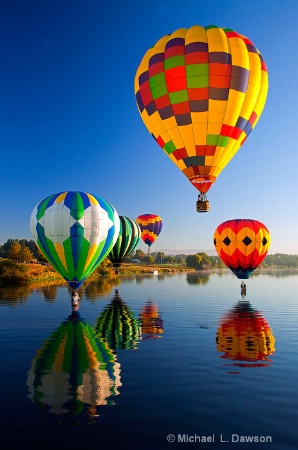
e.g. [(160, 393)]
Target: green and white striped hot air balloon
[(128, 239)]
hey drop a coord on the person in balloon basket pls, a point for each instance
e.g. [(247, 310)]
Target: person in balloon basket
[(243, 289), (75, 299)]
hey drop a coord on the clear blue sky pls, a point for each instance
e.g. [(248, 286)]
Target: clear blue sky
[(69, 121)]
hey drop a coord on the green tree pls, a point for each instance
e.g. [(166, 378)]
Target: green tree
[(14, 251), (180, 260), (205, 262), (193, 261), (25, 254), (160, 257), (170, 259), (148, 259), (139, 255), (32, 247), (5, 248)]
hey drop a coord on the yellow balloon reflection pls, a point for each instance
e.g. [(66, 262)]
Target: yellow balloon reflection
[(74, 372), (151, 322), (245, 337)]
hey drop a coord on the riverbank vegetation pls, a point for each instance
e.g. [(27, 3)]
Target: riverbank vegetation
[(21, 262)]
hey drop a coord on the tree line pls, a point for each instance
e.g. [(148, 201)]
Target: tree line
[(26, 251), (22, 250)]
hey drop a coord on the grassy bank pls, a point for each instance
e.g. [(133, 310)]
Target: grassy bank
[(19, 273)]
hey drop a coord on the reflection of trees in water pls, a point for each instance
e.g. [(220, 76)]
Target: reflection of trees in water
[(129, 278), (118, 326), (74, 372), (275, 273), (140, 279), (100, 287), (12, 296), (49, 292), (245, 337), (161, 276), (197, 278)]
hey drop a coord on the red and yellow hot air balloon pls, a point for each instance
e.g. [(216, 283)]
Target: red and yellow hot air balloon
[(242, 244), (200, 92), (151, 226)]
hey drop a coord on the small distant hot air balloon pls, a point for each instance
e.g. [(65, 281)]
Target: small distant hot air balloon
[(245, 337), (242, 244), (151, 226), (200, 92), (128, 238), (75, 231), (74, 370)]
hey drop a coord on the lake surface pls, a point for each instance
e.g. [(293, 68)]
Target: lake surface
[(152, 362)]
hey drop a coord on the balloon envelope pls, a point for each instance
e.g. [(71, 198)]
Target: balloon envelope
[(151, 226), (200, 92), (75, 231), (242, 244), (128, 238)]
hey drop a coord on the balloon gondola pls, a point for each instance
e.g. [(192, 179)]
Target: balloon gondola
[(128, 239), (151, 226), (75, 231), (200, 92)]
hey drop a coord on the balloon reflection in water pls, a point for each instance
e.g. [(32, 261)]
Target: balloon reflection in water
[(245, 337), (151, 322), (73, 371), (118, 326)]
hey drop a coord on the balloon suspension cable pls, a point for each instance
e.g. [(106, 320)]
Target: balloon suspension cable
[(202, 197)]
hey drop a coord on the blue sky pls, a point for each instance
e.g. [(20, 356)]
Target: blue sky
[(69, 120)]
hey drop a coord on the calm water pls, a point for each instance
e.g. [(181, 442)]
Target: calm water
[(175, 357)]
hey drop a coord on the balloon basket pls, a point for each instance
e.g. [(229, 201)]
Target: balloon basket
[(202, 206)]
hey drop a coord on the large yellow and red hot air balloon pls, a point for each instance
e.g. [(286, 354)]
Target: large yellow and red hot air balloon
[(242, 244), (200, 92)]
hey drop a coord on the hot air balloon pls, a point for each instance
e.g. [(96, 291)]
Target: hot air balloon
[(242, 244), (245, 337), (200, 92), (74, 371), (128, 238), (151, 226), (118, 326), (75, 231)]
